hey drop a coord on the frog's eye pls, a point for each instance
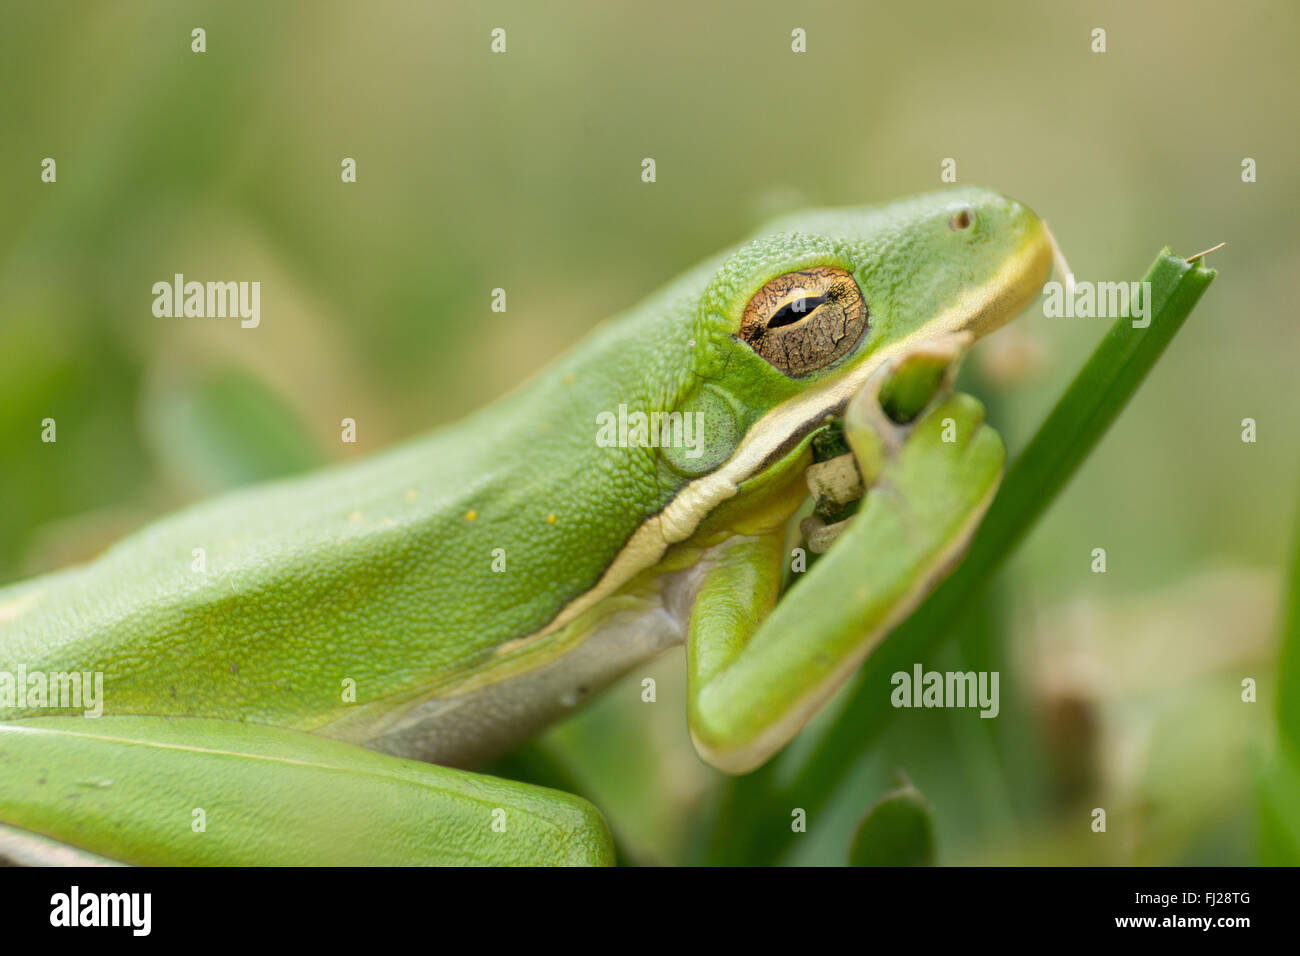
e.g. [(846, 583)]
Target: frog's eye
[(961, 220), (802, 321)]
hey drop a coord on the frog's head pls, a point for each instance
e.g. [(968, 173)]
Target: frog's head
[(966, 258), (822, 293), (794, 322)]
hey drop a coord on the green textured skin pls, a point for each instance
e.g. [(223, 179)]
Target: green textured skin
[(373, 572), (127, 787)]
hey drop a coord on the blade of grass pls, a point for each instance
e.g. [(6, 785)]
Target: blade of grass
[(1096, 396), (897, 831), (1278, 781), (1288, 683)]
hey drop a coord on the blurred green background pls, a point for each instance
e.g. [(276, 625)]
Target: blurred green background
[(522, 171)]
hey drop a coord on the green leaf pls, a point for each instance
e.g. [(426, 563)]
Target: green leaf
[(897, 831), (223, 428), (1288, 684), (1277, 790), (1278, 784)]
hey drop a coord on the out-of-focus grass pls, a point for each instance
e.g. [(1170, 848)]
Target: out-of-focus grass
[(897, 831), (1279, 779)]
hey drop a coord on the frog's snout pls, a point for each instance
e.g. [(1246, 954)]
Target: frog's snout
[(1027, 266)]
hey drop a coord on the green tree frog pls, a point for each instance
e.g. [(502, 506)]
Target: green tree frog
[(295, 672)]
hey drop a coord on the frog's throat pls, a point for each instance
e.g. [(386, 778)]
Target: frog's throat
[(980, 311)]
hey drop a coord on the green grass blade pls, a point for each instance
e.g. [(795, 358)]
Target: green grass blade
[(1288, 683), (1278, 781), (897, 831)]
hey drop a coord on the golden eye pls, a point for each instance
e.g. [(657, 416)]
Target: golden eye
[(962, 219), (803, 321)]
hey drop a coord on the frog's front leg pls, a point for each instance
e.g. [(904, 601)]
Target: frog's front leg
[(185, 790), (754, 685)]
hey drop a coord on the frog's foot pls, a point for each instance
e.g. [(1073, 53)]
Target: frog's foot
[(758, 665), (878, 421)]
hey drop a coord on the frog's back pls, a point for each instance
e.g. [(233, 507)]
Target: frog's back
[(403, 571)]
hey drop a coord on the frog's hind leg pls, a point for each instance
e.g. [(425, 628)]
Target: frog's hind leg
[(189, 790)]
